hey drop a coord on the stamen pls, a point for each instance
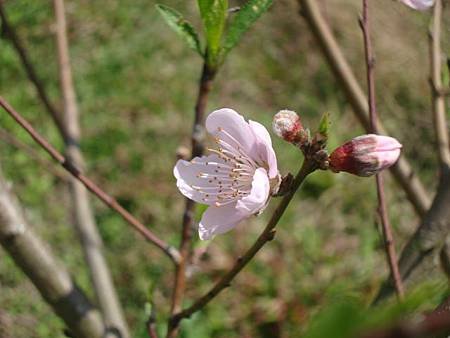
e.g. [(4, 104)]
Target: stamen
[(236, 151), (239, 145)]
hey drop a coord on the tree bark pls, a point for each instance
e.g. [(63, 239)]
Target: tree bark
[(84, 218), (51, 279)]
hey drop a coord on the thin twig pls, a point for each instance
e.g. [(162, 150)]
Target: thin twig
[(151, 323), (439, 116), (85, 224), (12, 36), (169, 250), (382, 210), (179, 287), (266, 236), (402, 170)]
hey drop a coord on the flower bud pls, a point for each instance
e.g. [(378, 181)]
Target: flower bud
[(365, 155), (286, 124)]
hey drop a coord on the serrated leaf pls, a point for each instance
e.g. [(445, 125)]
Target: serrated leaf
[(324, 125), (182, 27), (214, 14), (244, 19)]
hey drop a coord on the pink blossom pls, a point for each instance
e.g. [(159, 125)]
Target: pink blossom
[(365, 155), (236, 179), (420, 5)]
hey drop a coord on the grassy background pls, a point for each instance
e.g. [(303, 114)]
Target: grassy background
[(136, 86)]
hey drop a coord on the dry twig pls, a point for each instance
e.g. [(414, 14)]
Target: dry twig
[(382, 209), (170, 251), (84, 218), (402, 171), (179, 287)]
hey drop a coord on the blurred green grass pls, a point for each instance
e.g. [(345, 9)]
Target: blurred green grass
[(136, 86)]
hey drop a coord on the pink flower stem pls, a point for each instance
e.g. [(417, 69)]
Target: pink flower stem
[(179, 286), (309, 165), (382, 210), (170, 251)]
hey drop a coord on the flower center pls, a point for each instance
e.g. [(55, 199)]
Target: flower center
[(230, 177)]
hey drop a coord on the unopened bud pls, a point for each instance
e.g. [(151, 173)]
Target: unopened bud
[(286, 124), (365, 155)]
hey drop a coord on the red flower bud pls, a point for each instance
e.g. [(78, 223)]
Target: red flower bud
[(365, 155), (286, 124)]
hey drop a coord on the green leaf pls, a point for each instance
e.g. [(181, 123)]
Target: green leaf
[(182, 27), (214, 14), (324, 125), (244, 19)]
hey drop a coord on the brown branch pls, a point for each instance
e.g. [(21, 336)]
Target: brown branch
[(266, 236), (179, 287), (151, 323), (44, 270), (402, 171), (12, 36), (170, 251), (382, 209), (430, 237), (85, 224), (439, 115)]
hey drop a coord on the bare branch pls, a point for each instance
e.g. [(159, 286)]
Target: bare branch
[(266, 236), (170, 251), (179, 287), (44, 271), (439, 116), (430, 237), (151, 323), (382, 209), (402, 171), (84, 218)]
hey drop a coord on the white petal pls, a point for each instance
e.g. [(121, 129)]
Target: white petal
[(257, 199), (186, 174), (420, 5), (218, 220), (264, 147), (235, 125)]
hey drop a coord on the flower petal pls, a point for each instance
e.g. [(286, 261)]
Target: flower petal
[(235, 126), (218, 220), (420, 5), (257, 199), (187, 173), (386, 143), (264, 147)]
